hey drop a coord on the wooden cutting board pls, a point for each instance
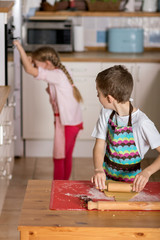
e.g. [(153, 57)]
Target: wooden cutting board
[(65, 195)]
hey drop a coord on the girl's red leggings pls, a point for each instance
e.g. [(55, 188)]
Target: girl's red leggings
[(63, 167)]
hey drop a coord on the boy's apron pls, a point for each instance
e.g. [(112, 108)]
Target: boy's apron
[(121, 160)]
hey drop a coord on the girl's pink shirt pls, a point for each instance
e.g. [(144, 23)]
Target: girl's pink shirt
[(62, 92)]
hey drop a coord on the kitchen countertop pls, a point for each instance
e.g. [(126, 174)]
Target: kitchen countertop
[(104, 56), (38, 222), (4, 93), (6, 6), (50, 14)]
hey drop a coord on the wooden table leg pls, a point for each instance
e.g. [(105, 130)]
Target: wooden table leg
[(24, 235)]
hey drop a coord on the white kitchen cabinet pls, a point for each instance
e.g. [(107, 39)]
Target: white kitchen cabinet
[(6, 148), (147, 90), (37, 111), (7, 137), (84, 75)]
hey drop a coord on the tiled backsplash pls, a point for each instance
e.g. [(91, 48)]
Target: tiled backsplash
[(95, 28)]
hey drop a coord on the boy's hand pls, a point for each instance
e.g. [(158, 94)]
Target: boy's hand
[(140, 181), (99, 179)]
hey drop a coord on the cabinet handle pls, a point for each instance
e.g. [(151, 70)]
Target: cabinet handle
[(12, 104), (9, 177), (8, 141), (8, 171), (9, 159), (7, 123), (4, 173), (14, 138)]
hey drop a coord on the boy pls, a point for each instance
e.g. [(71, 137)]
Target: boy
[(126, 131)]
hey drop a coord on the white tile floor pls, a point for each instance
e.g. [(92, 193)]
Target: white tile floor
[(38, 168)]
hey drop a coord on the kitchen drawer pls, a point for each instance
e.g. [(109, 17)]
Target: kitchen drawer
[(9, 112), (10, 149), (3, 161), (6, 167), (2, 115), (7, 116), (9, 168), (3, 150), (83, 68), (9, 132)]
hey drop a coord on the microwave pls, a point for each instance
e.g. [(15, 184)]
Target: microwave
[(53, 33)]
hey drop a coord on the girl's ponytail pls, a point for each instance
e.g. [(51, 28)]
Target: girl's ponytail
[(76, 92)]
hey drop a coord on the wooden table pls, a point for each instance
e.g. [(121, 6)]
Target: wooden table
[(37, 222)]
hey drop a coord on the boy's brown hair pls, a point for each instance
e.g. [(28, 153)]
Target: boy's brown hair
[(117, 82)]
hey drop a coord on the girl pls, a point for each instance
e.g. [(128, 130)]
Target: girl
[(126, 131), (65, 100)]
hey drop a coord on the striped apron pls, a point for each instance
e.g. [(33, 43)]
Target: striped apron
[(121, 160)]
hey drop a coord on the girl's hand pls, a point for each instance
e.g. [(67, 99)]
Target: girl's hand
[(140, 181), (99, 179), (16, 43)]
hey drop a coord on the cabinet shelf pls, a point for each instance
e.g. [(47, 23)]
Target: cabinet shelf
[(94, 14), (5, 6)]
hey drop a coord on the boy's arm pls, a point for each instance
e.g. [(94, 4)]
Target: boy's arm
[(98, 158), (28, 67), (142, 178)]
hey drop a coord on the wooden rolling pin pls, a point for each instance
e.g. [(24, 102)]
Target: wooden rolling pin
[(119, 187), (112, 205)]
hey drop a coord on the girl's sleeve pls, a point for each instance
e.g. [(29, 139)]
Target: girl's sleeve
[(151, 134), (100, 130), (48, 76)]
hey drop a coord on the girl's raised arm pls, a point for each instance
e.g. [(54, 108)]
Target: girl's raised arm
[(28, 67)]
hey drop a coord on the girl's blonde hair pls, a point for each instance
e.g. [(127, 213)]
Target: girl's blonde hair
[(49, 54)]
